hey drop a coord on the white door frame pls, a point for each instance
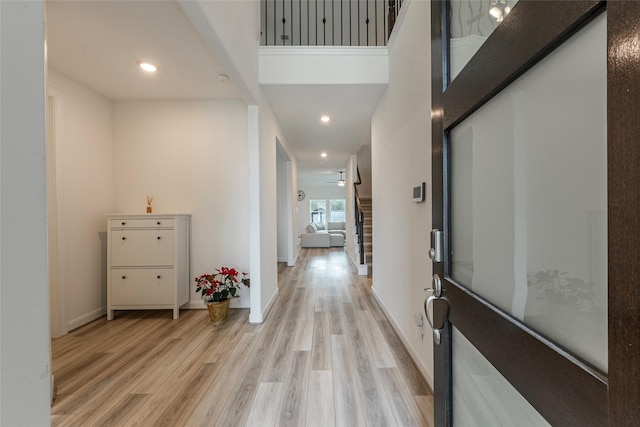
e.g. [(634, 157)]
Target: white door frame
[(56, 232)]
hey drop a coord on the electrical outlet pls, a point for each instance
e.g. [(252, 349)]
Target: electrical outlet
[(420, 324)]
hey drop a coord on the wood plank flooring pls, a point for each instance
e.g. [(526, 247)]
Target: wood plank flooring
[(325, 356)]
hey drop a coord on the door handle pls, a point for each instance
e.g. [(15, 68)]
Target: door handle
[(437, 296)]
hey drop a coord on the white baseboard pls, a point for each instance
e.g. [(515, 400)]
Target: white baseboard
[(89, 317), (270, 305), (197, 304), (426, 373), (362, 269), (256, 320), (293, 263)]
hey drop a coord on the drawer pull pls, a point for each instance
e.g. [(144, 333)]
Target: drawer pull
[(159, 237), (158, 222), (159, 277), (124, 277), (124, 238), (124, 223)]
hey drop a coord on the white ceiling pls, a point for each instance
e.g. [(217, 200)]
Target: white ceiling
[(299, 107), (99, 43)]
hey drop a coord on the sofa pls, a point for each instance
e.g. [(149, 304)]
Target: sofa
[(316, 236)]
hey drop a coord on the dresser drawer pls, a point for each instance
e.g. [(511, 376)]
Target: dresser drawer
[(131, 286), (141, 248), (141, 223)]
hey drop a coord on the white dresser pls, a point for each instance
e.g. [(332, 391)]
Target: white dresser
[(147, 262)]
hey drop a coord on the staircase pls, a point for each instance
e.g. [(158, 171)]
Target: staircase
[(367, 237)]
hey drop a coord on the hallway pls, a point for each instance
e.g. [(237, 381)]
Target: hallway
[(326, 355)]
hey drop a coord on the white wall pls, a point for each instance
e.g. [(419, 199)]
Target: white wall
[(231, 30), (24, 297), (85, 194), (401, 158), (304, 211), (265, 134), (323, 65), (191, 156)]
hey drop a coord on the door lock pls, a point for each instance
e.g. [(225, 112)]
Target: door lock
[(436, 251)]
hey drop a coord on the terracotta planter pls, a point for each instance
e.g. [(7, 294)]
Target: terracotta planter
[(218, 310)]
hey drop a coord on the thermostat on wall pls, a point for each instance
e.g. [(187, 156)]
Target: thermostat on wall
[(418, 192)]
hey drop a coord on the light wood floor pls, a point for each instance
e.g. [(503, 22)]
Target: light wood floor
[(325, 356)]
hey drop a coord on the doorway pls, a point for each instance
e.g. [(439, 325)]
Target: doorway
[(287, 249)]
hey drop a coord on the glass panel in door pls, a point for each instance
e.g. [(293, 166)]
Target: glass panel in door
[(482, 397), (529, 197)]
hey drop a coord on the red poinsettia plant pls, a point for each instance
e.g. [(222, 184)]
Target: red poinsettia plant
[(221, 285)]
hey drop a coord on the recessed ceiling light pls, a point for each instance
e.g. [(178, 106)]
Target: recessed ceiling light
[(325, 119), (323, 154), (148, 67)]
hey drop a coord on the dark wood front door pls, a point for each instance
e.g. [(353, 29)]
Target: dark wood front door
[(536, 187)]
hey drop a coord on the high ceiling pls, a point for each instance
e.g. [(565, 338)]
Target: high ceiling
[(100, 43)]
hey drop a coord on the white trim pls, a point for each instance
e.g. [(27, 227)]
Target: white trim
[(428, 376), (267, 309), (324, 50), (292, 255), (293, 262), (363, 269), (255, 240), (194, 304), (62, 323), (89, 317), (198, 304)]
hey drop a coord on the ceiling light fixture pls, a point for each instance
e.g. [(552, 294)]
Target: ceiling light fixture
[(323, 155), (325, 119), (150, 68), (341, 182), (499, 9)]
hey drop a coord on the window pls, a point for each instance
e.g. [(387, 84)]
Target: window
[(337, 210), (320, 215), (318, 209)]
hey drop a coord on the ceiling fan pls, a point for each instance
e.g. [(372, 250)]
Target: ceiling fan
[(341, 182)]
